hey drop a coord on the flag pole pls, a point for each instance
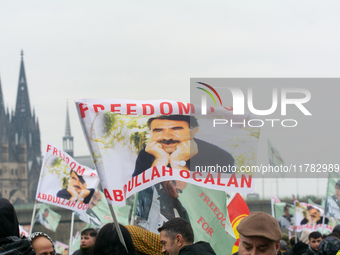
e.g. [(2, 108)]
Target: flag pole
[(33, 214), (71, 234), (231, 198), (121, 238)]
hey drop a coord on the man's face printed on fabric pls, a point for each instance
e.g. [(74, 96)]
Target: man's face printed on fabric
[(169, 133), (337, 192), (76, 183), (96, 198)]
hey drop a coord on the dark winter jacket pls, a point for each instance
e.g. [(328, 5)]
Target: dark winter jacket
[(200, 248), (10, 241)]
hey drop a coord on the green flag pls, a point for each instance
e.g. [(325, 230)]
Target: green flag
[(332, 205), (98, 212), (209, 217), (322, 203), (48, 218)]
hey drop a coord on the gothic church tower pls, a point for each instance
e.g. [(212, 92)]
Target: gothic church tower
[(20, 152)]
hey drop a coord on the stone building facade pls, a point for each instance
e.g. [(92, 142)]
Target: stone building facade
[(20, 150)]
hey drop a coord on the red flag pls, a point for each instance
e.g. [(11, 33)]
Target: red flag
[(237, 210)]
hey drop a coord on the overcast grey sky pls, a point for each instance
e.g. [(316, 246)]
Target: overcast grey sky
[(151, 49)]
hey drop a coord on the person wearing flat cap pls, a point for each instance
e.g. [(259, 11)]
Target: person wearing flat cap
[(260, 233)]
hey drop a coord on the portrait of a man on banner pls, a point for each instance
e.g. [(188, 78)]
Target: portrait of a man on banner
[(64, 182)]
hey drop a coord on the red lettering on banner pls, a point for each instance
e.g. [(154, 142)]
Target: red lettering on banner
[(92, 174), (194, 176), (232, 181), (80, 171), (192, 108), (182, 109), (212, 109), (68, 203), (212, 205), (210, 179), (145, 111), (113, 106), (206, 199), (96, 106), (39, 195), (162, 108), (184, 174), (44, 196), (73, 165), (79, 206), (107, 194), (55, 151), (220, 214), (82, 110), (219, 180), (166, 170), (200, 220), (73, 203), (223, 222), (130, 111), (155, 173), (56, 200), (244, 180), (49, 146), (143, 177), (124, 189), (216, 211), (205, 226), (63, 202), (214, 208), (130, 186), (136, 182), (49, 198), (118, 195)]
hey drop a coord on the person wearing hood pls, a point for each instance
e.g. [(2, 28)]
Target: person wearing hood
[(10, 241)]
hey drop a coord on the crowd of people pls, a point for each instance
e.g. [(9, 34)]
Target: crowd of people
[(259, 233)]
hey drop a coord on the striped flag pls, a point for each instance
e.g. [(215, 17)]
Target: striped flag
[(237, 210)]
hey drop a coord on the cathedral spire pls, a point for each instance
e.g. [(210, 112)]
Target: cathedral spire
[(68, 128), (2, 104), (68, 138), (23, 108)]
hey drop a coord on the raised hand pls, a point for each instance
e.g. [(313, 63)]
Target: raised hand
[(185, 151), (161, 156)]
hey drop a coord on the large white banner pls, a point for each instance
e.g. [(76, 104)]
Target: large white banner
[(137, 144), (64, 182)]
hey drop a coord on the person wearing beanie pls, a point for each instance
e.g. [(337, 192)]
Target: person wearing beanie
[(336, 229), (260, 233), (283, 246), (329, 246), (299, 248)]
